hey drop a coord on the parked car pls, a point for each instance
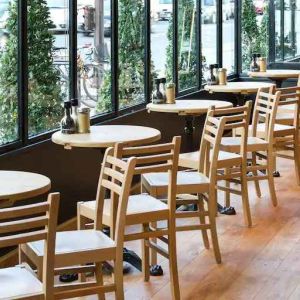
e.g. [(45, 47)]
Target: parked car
[(59, 14), (161, 9)]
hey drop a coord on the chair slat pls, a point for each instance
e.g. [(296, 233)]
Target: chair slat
[(24, 224), (23, 211), (153, 169), (116, 162), (154, 158), (147, 149), (22, 238), (111, 186), (114, 174)]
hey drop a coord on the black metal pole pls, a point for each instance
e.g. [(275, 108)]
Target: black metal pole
[(23, 71), (73, 88)]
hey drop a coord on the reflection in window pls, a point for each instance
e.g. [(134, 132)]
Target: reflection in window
[(93, 55), (8, 72), (161, 38), (47, 63), (228, 35), (208, 34), (131, 26), (297, 27), (255, 26), (187, 50)]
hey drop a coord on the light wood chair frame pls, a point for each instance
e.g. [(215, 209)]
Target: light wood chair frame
[(153, 158), (115, 177), (39, 223)]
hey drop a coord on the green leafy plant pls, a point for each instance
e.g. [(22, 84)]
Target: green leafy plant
[(131, 58), (255, 35), (44, 92)]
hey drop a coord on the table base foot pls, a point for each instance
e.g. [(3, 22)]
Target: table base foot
[(276, 174), (229, 211)]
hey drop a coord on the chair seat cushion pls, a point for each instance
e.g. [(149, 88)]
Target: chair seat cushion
[(191, 159), (18, 282), (75, 241), (142, 204), (187, 183), (233, 144)]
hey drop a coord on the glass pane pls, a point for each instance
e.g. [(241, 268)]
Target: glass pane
[(255, 26), (161, 38), (187, 50), (48, 63), (289, 50), (8, 72), (93, 55), (208, 34), (297, 27), (278, 45), (228, 35), (131, 26)]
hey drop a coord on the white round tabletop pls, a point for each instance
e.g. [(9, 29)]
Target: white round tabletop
[(284, 74), (188, 107), (243, 87), (17, 185), (104, 136)]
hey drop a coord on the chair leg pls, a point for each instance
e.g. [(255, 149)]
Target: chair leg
[(255, 173), (202, 221), (296, 157), (245, 197), (118, 277), (146, 256), (153, 252), (99, 279), (174, 281), (213, 227), (227, 185), (270, 170)]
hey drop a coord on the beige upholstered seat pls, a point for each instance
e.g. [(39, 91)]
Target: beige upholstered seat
[(195, 182), (191, 159), (18, 282), (233, 144)]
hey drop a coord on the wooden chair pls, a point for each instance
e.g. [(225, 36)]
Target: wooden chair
[(259, 144), (286, 135), (23, 224), (144, 209), (75, 249), (201, 182)]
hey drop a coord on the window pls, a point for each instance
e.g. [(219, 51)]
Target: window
[(228, 36), (255, 29), (162, 39), (208, 34), (48, 63), (9, 113), (93, 55), (101, 56), (187, 50), (131, 27), (287, 32)]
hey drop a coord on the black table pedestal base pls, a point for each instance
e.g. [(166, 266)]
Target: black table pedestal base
[(276, 174)]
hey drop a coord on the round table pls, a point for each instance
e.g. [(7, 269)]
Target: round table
[(104, 136), (240, 89), (17, 185), (188, 107), (278, 76)]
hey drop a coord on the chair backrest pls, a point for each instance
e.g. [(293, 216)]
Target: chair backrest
[(265, 110), (153, 159), (290, 96), (28, 223), (219, 121), (115, 177)]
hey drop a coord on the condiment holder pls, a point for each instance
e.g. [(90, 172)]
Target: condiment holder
[(170, 93)]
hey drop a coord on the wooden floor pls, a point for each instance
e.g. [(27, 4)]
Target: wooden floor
[(262, 262)]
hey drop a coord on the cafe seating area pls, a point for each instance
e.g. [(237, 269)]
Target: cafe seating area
[(149, 150)]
